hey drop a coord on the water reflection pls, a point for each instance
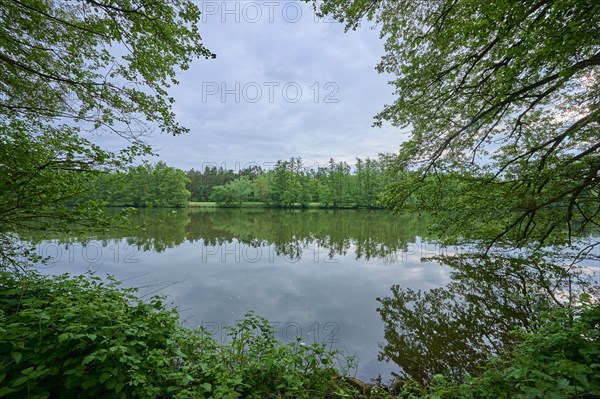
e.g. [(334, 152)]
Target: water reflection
[(370, 234), (317, 274), (453, 329)]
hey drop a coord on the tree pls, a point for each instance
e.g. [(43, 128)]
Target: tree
[(39, 174), (284, 185), (60, 60), (194, 185), (148, 185), (338, 183), (454, 329), (503, 94), (243, 189), (223, 194), (262, 187), (202, 183), (69, 68), (369, 182)]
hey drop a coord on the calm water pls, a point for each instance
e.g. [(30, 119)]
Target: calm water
[(351, 279), (315, 274)]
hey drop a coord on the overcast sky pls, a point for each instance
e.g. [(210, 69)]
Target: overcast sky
[(284, 84)]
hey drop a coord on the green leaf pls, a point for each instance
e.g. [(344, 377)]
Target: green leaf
[(6, 390), (563, 383), (585, 297), (17, 356), (89, 358), (63, 337), (20, 381), (103, 377), (206, 386)]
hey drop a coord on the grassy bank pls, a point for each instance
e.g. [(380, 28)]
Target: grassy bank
[(310, 205), (193, 204)]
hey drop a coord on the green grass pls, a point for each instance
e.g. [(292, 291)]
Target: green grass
[(257, 204), (193, 204)]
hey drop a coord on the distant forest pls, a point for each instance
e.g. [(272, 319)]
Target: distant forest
[(287, 184)]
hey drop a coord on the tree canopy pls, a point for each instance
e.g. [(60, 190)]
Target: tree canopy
[(105, 63), (500, 97), (145, 185), (72, 68)]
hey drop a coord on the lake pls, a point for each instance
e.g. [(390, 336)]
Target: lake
[(315, 274)]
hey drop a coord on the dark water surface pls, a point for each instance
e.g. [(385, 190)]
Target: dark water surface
[(314, 274)]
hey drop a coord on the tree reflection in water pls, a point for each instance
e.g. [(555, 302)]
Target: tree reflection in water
[(292, 233), (453, 329)]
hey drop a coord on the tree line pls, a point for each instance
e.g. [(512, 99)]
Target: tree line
[(288, 184), (291, 184), (144, 185)]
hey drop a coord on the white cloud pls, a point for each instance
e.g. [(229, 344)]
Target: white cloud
[(335, 72)]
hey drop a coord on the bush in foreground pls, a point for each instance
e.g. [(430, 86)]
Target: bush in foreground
[(80, 337), (559, 360)]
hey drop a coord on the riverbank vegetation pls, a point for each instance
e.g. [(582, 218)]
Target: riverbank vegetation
[(64, 337), (82, 337), (502, 102)]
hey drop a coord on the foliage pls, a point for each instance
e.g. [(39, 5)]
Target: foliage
[(453, 330), (81, 337), (36, 172), (255, 365), (143, 185), (504, 96), (286, 180), (103, 63), (201, 183), (291, 184), (237, 191), (40, 174), (560, 360), (501, 100), (68, 68)]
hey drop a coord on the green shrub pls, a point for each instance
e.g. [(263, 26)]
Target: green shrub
[(80, 337), (559, 360)]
